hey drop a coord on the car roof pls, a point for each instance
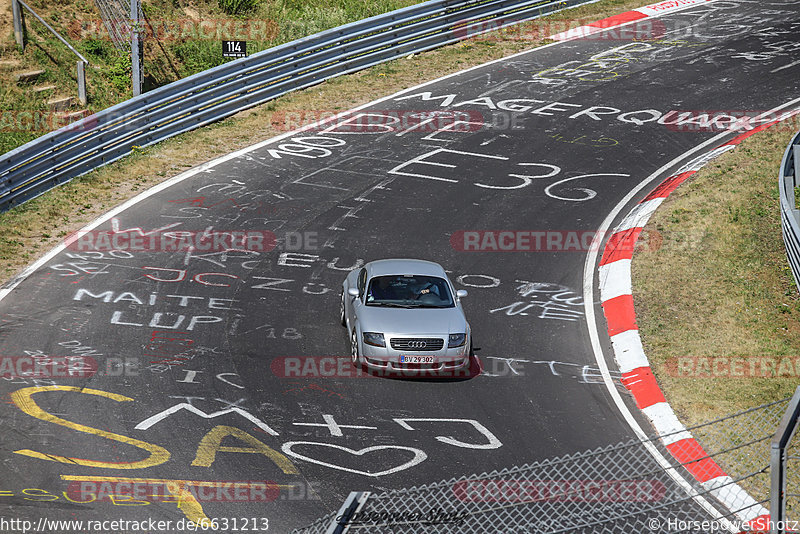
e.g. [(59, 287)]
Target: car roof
[(404, 266)]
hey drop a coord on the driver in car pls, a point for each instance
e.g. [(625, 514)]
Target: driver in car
[(430, 288)]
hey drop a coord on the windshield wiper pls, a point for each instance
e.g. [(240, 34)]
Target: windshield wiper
[(392, 305)]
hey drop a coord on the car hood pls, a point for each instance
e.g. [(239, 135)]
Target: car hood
[(412, 321)]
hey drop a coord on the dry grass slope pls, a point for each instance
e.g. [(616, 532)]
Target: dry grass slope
[(720, 287)]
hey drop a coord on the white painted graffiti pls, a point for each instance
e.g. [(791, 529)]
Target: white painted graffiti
[(335, 429), (159, 319), (424, 166), (553, 301), (493, 443), (281, 284), (405, 422), (549, 109), (584, 374), (80, 268), (419, 456), (157, 418)]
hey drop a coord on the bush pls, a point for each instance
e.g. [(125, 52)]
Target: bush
[(98, 49), (196, 56), (119, 71), (237, 7)]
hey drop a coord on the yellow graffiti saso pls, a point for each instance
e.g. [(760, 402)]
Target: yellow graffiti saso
[(23, 399)]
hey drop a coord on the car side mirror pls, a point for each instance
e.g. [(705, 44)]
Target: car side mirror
[(461, 293), (353, 292)]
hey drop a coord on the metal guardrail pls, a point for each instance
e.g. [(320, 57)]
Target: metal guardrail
[(788, 179), (209, 96)]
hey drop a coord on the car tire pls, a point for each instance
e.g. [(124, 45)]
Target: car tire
[(355, 357), (342, 318), (470, 357)]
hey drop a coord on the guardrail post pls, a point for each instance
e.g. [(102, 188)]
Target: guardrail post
[(18, 26), (354, 502), (777, 505), (82, 82), (136, 67), (786, 429)]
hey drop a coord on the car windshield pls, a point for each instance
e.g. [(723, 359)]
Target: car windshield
[(409, 291)]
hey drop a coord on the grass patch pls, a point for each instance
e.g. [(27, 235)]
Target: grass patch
[(180, 41), (720, 286)]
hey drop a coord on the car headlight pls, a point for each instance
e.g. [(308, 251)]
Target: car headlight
[(456, 340), (374, 338)]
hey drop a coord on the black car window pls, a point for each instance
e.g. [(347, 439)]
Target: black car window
[(409, 291)]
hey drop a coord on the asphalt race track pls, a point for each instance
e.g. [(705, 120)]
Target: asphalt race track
[(204, 368)]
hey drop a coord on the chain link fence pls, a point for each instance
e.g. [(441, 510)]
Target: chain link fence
[(621, 488), (116, 15)]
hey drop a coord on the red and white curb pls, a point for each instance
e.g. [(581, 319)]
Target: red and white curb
[(652, 10), (616, 297)]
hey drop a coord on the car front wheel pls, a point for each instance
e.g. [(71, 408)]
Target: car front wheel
[(354, 350)]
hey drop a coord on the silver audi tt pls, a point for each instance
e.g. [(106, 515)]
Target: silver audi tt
[(405, 315)]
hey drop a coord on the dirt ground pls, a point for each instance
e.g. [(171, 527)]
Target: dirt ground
[(6, 21)]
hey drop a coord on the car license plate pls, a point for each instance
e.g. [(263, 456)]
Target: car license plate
[(416, 359)]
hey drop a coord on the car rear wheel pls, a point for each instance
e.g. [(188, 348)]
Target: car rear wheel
[(342, 318)]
